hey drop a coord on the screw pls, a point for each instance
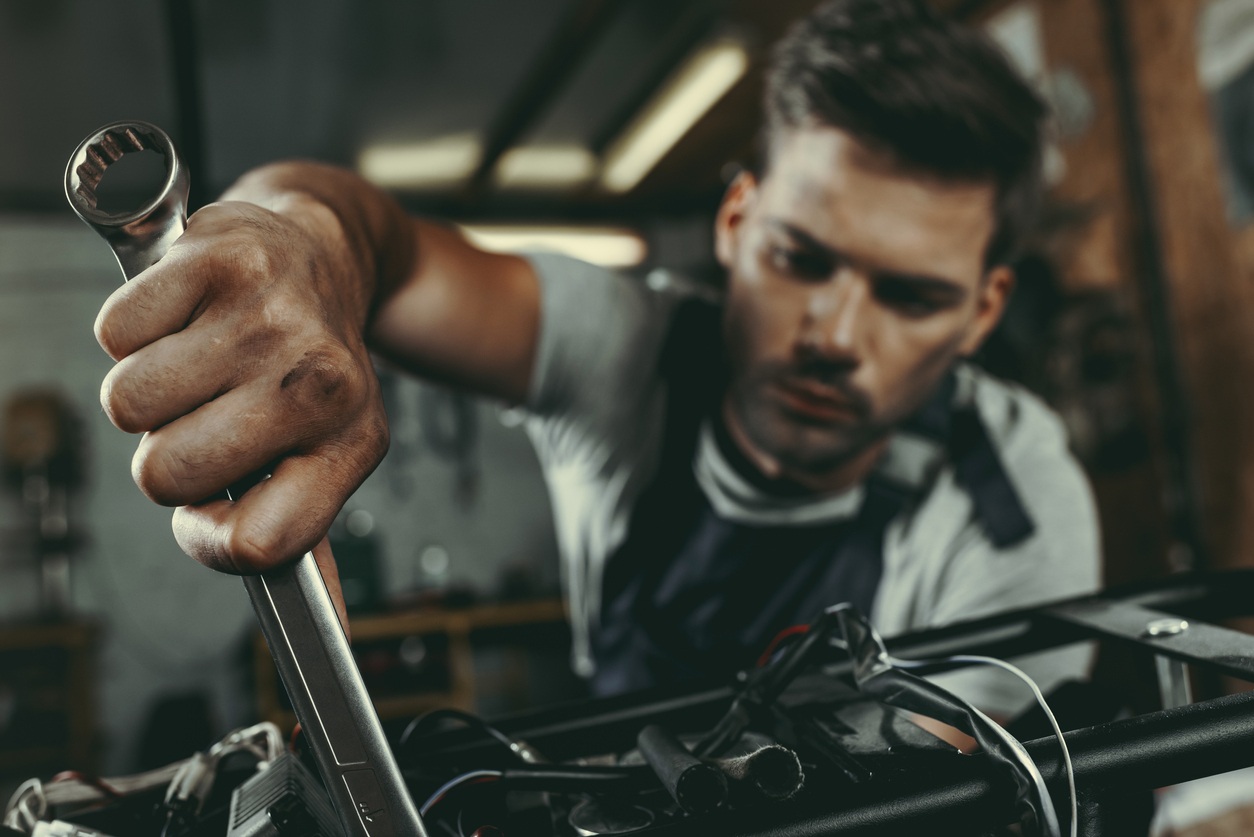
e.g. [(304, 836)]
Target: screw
[(1166, 627)]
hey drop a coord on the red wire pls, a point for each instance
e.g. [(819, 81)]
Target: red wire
[(77, 776), (792, 630)]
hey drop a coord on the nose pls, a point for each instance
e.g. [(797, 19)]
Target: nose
[(836, 317)]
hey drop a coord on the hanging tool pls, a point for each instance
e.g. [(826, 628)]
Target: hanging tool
[(297, 617)]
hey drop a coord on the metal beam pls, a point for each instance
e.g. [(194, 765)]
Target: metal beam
[(557, 63), (188, 99)]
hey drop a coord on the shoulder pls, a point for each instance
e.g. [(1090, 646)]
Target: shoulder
[(637, 299), (1020, 424), (601, 336), (600, 303), (1033, 446), (947, 567)]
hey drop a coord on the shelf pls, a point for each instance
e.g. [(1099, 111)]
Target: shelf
[(457, 628), (53, 694), (462, 620), (24, 636)]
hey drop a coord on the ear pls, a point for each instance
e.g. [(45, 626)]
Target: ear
[(993, 295), (731, 214)]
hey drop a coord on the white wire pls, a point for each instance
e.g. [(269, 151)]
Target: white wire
[(448, 786), (1040, 699), (18, 813), (978, 660)]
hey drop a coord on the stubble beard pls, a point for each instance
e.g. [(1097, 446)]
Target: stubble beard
[(798, 446)]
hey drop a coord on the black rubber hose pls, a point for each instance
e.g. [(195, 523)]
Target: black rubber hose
[(696, 787)]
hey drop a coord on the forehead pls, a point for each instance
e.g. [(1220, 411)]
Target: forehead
[(862, 203)]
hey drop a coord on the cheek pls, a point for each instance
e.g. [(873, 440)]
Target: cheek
[(740, 332), (913, 359), (761, 322)]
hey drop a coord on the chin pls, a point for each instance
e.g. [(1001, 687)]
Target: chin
[(808, 448)]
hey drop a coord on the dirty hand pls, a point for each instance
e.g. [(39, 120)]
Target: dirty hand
[(240, 353)]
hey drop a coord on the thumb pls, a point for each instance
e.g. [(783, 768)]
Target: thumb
[(331, 578)]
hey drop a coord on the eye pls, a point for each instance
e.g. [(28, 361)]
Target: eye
[(907, 297), (802, 264)]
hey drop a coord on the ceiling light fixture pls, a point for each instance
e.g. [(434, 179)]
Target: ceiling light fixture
[(606, 246), (439, 163), (545, 167), (702, 80)]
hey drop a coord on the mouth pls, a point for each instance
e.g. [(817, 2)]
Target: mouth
[(816, 403)]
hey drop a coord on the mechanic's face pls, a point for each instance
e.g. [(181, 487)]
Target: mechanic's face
[(853, 287)]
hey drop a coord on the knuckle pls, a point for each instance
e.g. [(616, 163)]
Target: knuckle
[(255, 250), (119, 405), (378, 437), (248, 548), (160, 474), (249, 256), (108, 331), (326, 374), (361, 447)]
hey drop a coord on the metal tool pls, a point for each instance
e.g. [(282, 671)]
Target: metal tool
[(292, 604)]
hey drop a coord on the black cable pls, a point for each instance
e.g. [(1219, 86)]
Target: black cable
[(876, 675), (417, 728), (552, 779)]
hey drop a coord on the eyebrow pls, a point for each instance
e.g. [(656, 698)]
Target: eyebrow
[(926, 283)]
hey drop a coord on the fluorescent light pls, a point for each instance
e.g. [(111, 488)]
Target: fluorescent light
[(606, 246), (437, 163), (684, 99), (545, 167)]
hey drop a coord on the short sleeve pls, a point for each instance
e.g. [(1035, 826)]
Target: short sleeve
[(597, 352)]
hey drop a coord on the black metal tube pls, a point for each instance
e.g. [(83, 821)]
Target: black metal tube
[(1158, 749), (1140, 753), (695, 786)]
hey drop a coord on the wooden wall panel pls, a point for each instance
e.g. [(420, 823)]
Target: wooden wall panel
[(1097, 254), (1094, 253), (1209, 265)]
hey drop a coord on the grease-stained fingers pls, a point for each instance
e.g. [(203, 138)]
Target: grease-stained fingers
[(171, 378), (323, 399), (228, 250), (278, 519), (158, 302), (200, 455)]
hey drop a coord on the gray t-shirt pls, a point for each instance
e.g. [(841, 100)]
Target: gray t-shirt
[(597, 410)]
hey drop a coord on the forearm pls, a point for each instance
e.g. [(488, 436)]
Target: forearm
[(417, 291)]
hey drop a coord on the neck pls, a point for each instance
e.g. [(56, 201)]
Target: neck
[(844, 475)]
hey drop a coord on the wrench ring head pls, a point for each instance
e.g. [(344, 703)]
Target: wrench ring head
[(106, 146)]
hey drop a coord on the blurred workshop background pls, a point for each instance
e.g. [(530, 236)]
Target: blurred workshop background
[(606, 128)]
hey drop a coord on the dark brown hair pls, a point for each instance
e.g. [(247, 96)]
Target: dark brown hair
[(939, 97)]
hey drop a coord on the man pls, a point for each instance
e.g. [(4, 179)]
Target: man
[(717, 475)]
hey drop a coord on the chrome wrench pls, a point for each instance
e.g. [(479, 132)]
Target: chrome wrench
[(292, 604)]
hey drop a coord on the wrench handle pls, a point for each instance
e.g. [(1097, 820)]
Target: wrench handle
[(292, 604), (322, 680)]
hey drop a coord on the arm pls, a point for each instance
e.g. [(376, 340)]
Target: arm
[(247, 348)]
